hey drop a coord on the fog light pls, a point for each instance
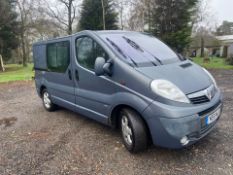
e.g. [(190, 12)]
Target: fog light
[(184, 141)]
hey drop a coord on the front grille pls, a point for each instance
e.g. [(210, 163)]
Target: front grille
[(203, 96), (199, 100)]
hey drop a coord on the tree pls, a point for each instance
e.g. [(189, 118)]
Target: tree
[(8, 28), (29, 23), (203, 24), (123, 9), (34, 25), (103, 14), (225, 29), (25, 10), (64, 12), (98, 15), (2, 68), (172, 22), (141, 18)]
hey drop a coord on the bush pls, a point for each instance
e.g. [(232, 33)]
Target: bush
[(229, 60)]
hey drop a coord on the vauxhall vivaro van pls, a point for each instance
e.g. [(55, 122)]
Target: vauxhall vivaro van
[(129, 80)]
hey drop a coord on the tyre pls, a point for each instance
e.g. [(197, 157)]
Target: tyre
[(48, 105), (133, 130)]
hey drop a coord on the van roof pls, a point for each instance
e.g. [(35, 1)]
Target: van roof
[(98, 32), (112, 31)]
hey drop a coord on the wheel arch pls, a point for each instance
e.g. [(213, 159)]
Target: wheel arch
[(114, 118), (42, 87)]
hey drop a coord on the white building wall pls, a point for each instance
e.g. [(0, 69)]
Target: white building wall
[(230, 50), (221, 51)]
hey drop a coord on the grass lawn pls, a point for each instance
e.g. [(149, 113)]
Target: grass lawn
[(15, 72), (215, 63)]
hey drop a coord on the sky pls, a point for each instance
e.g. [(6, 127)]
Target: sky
[(223, 9)]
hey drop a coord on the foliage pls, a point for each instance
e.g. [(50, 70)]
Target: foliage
[(215, 63), (92, 15), (9, 28), (172, 22), (63, 13), (15, 72), (225, 29)]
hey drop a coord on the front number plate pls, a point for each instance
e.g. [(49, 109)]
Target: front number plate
[(213, 117)]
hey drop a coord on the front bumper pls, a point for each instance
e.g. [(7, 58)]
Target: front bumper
[(169, 124)]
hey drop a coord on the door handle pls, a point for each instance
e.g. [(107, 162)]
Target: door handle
[(70, 75), (76, 75)]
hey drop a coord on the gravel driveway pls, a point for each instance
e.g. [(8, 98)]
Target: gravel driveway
[(33, 141)]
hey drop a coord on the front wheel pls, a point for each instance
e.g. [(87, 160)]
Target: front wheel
[(133, 130), (48, 105)]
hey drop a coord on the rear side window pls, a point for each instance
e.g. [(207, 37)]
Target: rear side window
[(87, 51), (58, 56)]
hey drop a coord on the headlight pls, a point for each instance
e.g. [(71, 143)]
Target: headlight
[(168, 90), (211, 77)]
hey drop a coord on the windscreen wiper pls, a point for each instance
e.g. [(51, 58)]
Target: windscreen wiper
[(120, 51), (133, 44), (137, 47), (116, 47)]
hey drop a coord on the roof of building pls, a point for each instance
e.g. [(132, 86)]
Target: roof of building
[(225, 37), (210, 41)]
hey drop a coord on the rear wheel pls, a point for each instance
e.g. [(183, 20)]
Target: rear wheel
[(48, 105), (133, 130)]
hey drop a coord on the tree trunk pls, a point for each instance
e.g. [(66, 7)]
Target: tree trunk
[(121, 15), (2, 69), (70, 17), (22, 33), (27, 46), (149, 15), (23, 49), (202, 47), (104, 27)]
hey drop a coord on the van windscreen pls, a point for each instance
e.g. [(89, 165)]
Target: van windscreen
[(140, 50)]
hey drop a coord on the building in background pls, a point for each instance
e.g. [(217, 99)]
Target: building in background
[(226, 45), (218, 46)]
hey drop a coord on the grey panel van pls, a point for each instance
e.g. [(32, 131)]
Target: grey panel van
[(131, 81)]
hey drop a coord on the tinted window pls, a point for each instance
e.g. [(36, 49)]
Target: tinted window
[(140, 49), (58, 57), (87, 51), (99, 51)]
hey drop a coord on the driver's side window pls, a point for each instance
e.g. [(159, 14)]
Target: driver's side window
[(87, 50)]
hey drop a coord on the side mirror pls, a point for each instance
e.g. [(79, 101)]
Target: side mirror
[(99, 66), (108, 67), (102, 67)]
